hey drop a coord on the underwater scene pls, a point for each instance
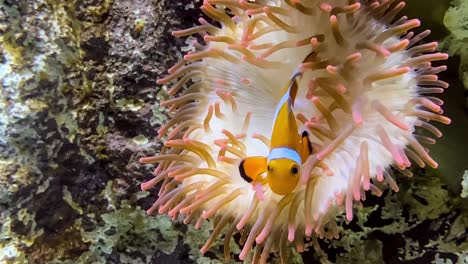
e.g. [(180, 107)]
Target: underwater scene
[(234, 131)]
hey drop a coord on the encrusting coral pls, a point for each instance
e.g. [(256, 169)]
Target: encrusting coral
[(363, 96)]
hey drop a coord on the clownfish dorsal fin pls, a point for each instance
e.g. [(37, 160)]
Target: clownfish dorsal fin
[(251, 168), (306, 146)]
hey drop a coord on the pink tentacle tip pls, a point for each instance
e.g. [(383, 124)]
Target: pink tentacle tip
[(332, 69), (161, 210), (326, 7), (150, 211), (197, 225), (291, 232), (245, 250), (357, 117), (205, 214), (161, 132), (349, 215), (379, 173), (174, 218), (354, 57), (300, 248), (260, 238), (341, 88), (308, 229), (258, 188), (366, 185), (314, 43), (145, 186), (203, 250)]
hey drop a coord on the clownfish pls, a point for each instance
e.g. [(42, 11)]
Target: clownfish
[(288, 149)]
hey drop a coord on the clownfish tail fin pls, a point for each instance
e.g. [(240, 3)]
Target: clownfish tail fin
[(309, 58), (298, 72), (251, 168), (293, 86)]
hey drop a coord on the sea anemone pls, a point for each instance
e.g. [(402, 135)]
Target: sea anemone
[(365, 98)]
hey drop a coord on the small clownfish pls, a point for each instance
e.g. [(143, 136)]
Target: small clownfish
[(288, 149)]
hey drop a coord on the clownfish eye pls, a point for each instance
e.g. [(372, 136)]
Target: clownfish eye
[(294, 170)]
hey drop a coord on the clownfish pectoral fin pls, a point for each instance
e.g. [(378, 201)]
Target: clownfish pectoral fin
[(251, 168), (306, 146)]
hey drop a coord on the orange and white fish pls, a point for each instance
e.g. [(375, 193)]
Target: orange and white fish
[(288, 149)]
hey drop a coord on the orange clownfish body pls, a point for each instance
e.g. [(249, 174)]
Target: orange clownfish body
[(288, 149)]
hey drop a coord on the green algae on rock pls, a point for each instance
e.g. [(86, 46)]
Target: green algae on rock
[(456, 21), (464, 193)]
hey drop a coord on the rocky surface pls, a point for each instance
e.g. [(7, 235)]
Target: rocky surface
[(80, 106)]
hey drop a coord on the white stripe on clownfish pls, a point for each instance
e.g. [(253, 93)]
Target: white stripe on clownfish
[(279, 153)]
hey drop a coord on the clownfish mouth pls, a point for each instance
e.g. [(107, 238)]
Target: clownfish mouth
[(365, 94)]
